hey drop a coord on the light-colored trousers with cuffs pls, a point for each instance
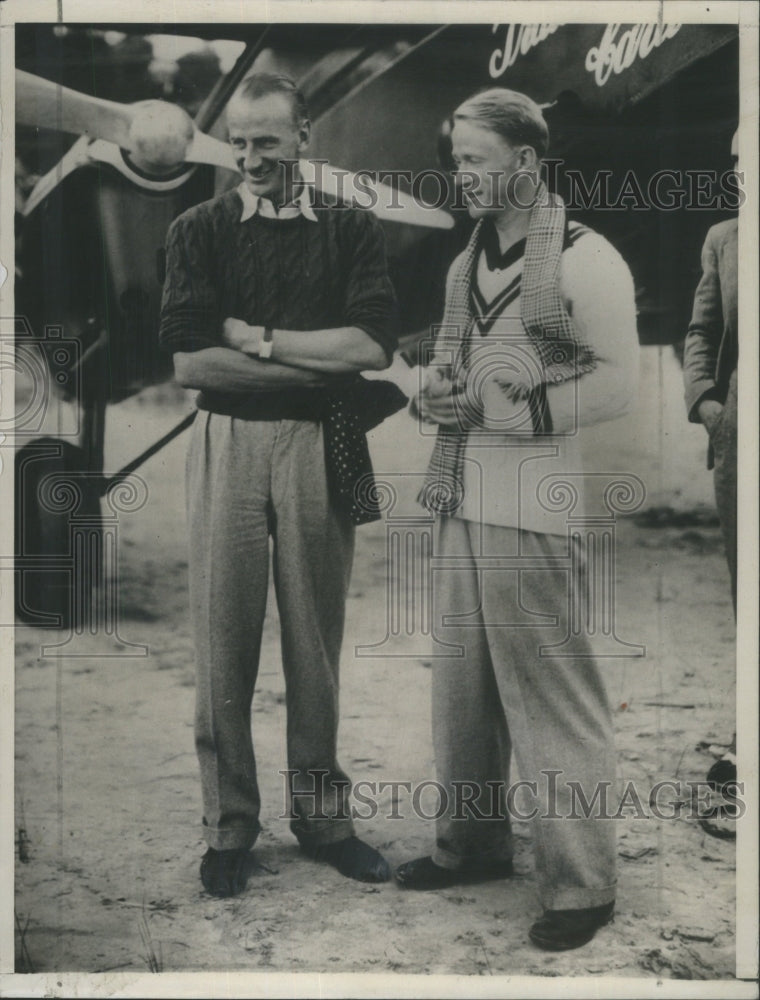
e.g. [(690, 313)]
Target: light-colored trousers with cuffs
[(505, 697), (247, 480)]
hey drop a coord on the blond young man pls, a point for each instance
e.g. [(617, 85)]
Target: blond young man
[(541, 316)]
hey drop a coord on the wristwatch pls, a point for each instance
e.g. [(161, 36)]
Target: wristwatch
[(265, 348)]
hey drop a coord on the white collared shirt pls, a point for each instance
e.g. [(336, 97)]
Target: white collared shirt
[(253, 204)]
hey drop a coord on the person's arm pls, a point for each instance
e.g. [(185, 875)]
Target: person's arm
[(191, 325), (434, 403), (339, 350), (709, 410), (597, 288), (700, 353), (190, 318), (367, 338), (220, 369), (598, 291)]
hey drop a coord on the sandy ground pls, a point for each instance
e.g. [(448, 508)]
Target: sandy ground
[(107, 791)]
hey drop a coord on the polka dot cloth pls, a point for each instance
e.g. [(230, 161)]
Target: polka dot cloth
[(347, 417), (348, 461)]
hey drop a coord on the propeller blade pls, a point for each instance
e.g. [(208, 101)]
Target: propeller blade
[(77, 156), (384, 201), (160, 136), (45, 104), (206, 149)]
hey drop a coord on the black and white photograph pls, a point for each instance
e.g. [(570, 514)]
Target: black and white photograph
[(379, 426)]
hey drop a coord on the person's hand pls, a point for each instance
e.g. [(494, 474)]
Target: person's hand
[(439, 409), (240, 336), (437, 381), (710, 411), (435, 401)]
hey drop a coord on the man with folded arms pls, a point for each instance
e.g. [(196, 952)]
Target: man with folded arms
[(538, 339), (271, 307)]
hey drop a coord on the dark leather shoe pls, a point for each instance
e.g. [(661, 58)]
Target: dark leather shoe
[(225, 873), (560, 930), (424, 874), (353, 858)]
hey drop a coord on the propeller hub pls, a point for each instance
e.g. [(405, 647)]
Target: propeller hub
[(159, 136)]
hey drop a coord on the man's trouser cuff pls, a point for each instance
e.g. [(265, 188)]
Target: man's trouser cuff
[(322, 832), (231, 838)]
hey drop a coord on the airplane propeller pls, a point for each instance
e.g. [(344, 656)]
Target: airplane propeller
[(160, 137)]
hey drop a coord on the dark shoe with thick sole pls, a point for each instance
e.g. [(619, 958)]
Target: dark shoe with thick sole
[(561, 930), (425, 874), (352, 858), (225, 873)]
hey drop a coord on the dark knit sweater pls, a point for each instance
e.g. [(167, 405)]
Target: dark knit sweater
[(289, 274)]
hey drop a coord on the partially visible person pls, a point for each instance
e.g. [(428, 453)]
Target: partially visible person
[(710, 360), (711, 355)]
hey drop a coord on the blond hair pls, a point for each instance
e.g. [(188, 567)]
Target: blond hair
[(510, 114)]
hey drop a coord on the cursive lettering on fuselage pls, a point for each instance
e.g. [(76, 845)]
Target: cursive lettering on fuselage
[(518, 41), (616, 53)]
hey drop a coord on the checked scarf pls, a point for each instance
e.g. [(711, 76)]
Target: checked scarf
[(562, 354)]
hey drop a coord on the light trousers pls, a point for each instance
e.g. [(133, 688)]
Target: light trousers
[(510, 695), (247, 481)]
